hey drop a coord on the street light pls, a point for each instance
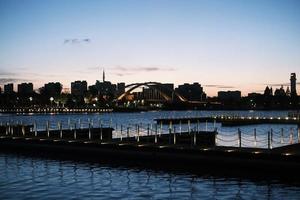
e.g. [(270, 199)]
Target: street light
[(51, 100)]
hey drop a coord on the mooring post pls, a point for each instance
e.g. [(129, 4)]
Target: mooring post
[(216, 138), (214, 123), (194, 138), (23, 129), (281, 139), (47, 129), (161, 127), (6, 128), (148, 130), (151, 129), (298, 134), (138, 133), (35, 128), (206, 125), (174, 137), (255, 140), (189, 126), (100, 128), (180, 128), (59, 124), (269, 138), (155, 138), (240, 137), (127, 132), (121, 138), (75, 129), (90, 135), (291, 136)]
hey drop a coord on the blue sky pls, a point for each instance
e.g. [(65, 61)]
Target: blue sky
[(223, 44)]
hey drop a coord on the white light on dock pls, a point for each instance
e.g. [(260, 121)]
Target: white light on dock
[(141, 145), (2, 137), (71, 141), (229, 150), (204, 149), (287, 154), (56, 140), (256, 152), (162, 147), (28, 138), (287, 118)]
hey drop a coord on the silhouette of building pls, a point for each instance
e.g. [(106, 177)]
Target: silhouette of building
[(192, 92), (120, 88), (51, 89), (25, 88), (79, 88), (280, 92), (293, 84), (9, 88), (229, 95), (268, 91)]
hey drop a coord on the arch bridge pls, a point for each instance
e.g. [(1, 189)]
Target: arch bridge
[(160, 87)]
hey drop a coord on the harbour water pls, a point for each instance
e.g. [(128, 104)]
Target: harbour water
[(34, 177)]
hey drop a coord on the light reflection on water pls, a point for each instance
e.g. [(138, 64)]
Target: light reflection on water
[(36, 178)]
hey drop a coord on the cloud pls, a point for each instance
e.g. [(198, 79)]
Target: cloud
[(77, 41), (11, 80), (220, 86), (140, 68)]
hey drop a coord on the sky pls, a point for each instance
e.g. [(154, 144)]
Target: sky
[(222, 44)]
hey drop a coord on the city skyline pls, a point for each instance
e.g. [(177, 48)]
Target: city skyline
[(223, 45)]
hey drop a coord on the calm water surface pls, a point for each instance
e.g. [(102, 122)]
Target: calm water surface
[(25, 177)]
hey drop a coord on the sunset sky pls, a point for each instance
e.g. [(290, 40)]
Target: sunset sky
[(222, 44)]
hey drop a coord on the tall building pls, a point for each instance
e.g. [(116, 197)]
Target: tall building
[(78, 88), (9, 88), (120, 88), (52, 89), (192, 92), (293, 84), (25, 88)]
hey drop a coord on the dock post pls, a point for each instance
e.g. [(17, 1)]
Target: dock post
[(161, 126), (6, 128), (60, 129), (291, 136), (75, 134), (240, 138), (214, 123), (194, 139), (35, 129), (189, 126), (271, 139), (148, 130), (269, 143), (100, 126), (174, 137), (170, 132), (281, 139), (255, 140), (90, 135), (155, 138), (298, 134), (121, 138), (47, 128), (138, 133), (180, 128), (206, 126), (23, 129), (127, 132)]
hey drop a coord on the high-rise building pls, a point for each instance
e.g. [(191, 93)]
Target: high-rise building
[(120, 88), (192, 92), (293, 84), (229, 95), (25, 88), (52, 89), (78, 88), (9, 88)]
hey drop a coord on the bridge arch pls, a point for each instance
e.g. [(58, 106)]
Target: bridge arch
[(155, 85)]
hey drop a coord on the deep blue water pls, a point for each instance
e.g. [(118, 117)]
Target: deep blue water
[(26, 177)]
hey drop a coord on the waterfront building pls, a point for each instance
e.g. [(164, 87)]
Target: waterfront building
[(25, 88), (120, 88), (9, 88), (293, 84), (78, 88), (51, 89), (229, 95), (192, 92)]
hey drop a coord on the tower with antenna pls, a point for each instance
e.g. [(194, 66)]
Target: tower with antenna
[(103, 76)]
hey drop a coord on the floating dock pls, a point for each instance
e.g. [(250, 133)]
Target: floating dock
[(191, 151), (231, 121)]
